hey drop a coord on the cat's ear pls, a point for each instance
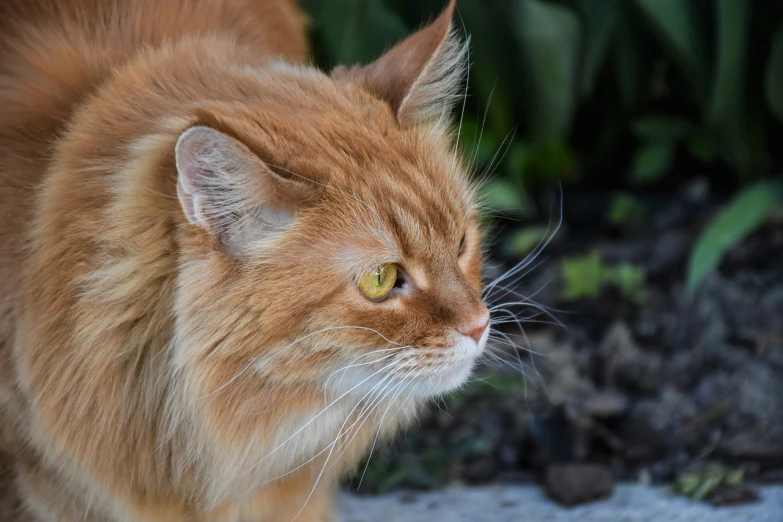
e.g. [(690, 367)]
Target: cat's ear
[(421, 76), (227, 190)]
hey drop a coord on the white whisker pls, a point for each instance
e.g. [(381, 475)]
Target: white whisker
[(326, 462), (255, 359), (319, 414), (464, 100), (380, 423), (542, 244)]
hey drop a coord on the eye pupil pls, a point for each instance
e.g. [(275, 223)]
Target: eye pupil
[(376, 284)]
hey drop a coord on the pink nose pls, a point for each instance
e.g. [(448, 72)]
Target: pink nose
[(475, 329)]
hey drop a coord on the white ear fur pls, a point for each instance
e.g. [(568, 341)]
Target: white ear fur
[(219, 187), (439, 85), (420, 77)]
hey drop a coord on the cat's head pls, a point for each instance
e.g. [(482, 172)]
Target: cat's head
[(333, 228)]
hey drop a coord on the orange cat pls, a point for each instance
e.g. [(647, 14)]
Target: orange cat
[(223, 273)]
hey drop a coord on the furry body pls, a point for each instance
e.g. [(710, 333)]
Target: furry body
[(155, 369)]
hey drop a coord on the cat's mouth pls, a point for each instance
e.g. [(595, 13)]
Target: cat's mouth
[(419, 372), (452, 367)]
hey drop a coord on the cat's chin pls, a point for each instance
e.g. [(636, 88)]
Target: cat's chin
[(454, 373), (445, 381)]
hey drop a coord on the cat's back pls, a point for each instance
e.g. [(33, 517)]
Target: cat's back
[(55, 54)]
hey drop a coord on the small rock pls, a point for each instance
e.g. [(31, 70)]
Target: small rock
[(668, 412), (572, 484), (625, 363), (563, 371), (601, 404)]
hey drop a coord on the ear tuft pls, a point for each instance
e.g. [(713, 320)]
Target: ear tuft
[(440, 84), (228, 191), (420, 77), (214, 177)]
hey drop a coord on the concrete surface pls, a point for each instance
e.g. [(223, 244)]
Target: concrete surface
[(630, 503)]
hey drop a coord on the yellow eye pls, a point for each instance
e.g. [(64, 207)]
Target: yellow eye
[(377, 284)]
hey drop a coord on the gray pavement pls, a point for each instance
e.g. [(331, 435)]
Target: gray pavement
[(630, 503)]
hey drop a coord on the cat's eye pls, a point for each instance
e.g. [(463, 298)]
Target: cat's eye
[(461, 248), (376, 284)]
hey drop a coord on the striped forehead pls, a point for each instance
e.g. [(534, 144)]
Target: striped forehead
[(422, 210), (410, 180)]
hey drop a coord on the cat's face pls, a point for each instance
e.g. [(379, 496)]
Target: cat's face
[(348, 221)]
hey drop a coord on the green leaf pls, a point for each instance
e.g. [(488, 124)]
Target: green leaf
[(687, 483), (727, 106), (549, 36), (491, 79), (624, 209), (582, 276), (600, 18), (706, 487), (774, 75), (732, 20), (651, 162), (699, 483), (678, 26), (735, 477), (746, 212), (630, 280), (626, 64), (661, 128), (523, 241)]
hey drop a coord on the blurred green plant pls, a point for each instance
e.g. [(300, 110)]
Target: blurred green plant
[(524, 240), (698, 484), (625, 208), (647, 87), (749, 209), (584, 276)]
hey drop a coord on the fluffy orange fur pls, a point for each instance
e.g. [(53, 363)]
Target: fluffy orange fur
[(185, 209)]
